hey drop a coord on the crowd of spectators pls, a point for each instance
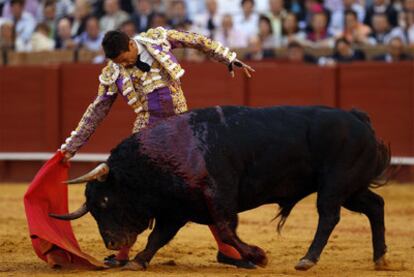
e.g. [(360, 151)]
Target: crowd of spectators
[(259, 26)]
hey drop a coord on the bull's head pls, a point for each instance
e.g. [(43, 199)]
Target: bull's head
[(118, 222)]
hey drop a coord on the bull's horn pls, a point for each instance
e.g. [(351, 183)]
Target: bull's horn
[(98, 173), (73, 215)]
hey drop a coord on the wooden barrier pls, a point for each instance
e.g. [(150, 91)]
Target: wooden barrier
[(385, 92), (29, 105), (41, 105), (287, 84)]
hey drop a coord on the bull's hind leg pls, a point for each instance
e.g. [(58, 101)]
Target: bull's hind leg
[(329, 206), (372, 205)]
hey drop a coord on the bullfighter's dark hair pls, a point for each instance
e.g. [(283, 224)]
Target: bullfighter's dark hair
[(115, 43)]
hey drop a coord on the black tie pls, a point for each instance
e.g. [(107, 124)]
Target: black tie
[(141, 65)]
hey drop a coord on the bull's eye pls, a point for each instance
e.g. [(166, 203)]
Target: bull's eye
[(104, 202)]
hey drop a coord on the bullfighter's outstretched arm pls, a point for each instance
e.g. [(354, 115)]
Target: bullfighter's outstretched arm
[(211, 48), (92, 117)]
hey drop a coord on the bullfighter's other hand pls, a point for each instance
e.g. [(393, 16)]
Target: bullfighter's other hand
[(247, 69)]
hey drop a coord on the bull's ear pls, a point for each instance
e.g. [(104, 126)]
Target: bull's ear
[(99, 173), (81, 211)]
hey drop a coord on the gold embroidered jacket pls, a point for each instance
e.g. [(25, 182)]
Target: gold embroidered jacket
[(134, 85)]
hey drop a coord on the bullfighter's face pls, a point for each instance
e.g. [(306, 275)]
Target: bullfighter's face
[(118, 222)]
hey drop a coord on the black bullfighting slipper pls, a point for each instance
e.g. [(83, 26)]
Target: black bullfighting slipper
[(111, 261), (221, 258)]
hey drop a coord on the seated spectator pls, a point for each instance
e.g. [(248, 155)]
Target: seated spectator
[(276, 15), (80, 15), (178, 15), (296, 54), (24, 24), (113, 17), (338, 17), (290, 31), (159, 20), (142, 15), (312, 7), (407, 21), (30, 6), (343, 52), (159, 6), (266, 33), (318, 36), (297, 7), (256, 52), (128, 27), (92, 37), (194, 7), (64, 38), (382, 31), (382, 7), (49, 16), (248, 19), (6, 35), (40, 39), (208, 22), (355, 31), (229, 35), (395, 53), (231, 7)]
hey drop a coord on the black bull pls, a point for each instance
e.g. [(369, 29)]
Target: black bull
[(208, 165)]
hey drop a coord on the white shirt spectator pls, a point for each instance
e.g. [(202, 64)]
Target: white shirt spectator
[(410, 35), (113, 21), (89, 43), (234, 38), (195, 7), (232, 7), (40, 42), (336, 25), (249, 25), (207, 22), (200, 23), (261, 6), (384, 39), (25, 27)]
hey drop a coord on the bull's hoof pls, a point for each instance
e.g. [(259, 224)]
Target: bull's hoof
[(111, 261), (304, 264), (135, 266), (383, 264), (240, 263)]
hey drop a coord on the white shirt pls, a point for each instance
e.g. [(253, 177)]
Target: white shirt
[(200, 23), (232, 7), (145, 56), (249, 25), (235, 38)]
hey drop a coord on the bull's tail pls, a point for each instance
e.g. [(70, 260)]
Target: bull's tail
[(383, 170), (284, 211)]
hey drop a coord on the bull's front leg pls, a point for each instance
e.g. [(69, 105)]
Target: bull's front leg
[(223, 212), (163, 232)]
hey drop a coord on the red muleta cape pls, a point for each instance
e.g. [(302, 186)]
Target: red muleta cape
[(53, 240)]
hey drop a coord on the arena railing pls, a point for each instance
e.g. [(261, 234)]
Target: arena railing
[(85, 56), (100, 157)]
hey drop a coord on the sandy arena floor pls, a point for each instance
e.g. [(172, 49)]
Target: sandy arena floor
[(193, 250)]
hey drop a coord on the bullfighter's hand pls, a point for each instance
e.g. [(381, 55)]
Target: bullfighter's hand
[(247, 69), (66, 156)]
